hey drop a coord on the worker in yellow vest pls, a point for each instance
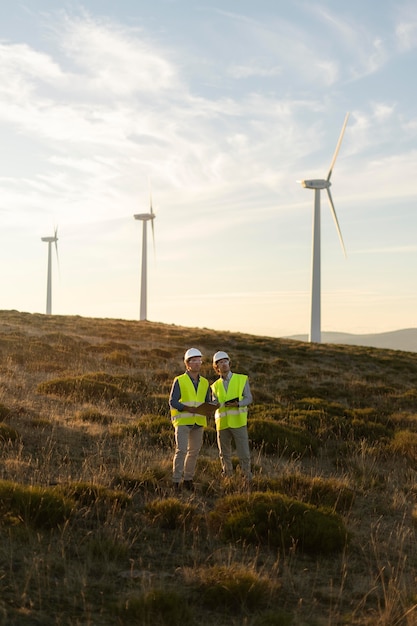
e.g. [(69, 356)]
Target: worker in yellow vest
[(188, 391), (232, 392)]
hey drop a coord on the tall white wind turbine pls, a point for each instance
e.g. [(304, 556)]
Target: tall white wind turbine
[(318, 185), (145, 218), (50, 241)]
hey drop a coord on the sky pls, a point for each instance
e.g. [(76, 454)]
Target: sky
[(215, 109)]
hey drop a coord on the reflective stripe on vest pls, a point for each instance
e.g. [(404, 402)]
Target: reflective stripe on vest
[(230, 416), (189, 395)]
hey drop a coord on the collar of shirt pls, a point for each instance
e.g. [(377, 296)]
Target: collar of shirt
[(195, 382)]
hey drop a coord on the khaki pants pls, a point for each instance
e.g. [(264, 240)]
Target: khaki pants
[(188, 441), (224, 441)]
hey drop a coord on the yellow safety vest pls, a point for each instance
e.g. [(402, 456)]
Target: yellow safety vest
[(189, 395), (230, 416)]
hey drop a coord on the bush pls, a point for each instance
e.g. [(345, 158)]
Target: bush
[(170, 513), (232, 588), (7, 433), (89, 494), (405, 444), (157, 429), (318, 491), (157, 607), (36, 506), (4, 411), (278, 521), (275, 437), (94, 416), (149, 480), (84, 389), (274, 618), (371, 431)]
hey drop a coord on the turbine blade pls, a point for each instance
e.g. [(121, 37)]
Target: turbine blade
[(339, 143), (56, 246), (153, 215), (153, 236), (336, 221), (150, 197)]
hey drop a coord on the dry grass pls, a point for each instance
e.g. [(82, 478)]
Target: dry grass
[(91, 533)]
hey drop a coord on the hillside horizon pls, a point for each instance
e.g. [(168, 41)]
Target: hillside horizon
[(404, 339)]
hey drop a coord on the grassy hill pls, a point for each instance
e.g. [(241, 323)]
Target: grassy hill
[(91, 532)]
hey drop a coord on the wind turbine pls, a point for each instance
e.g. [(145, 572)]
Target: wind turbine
[(318, 185), (50, 241), (145, 217)]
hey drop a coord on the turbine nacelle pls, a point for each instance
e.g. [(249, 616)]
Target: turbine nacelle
[(316, 183), (144, 216)]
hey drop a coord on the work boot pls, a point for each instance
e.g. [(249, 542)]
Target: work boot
[(188, 484)]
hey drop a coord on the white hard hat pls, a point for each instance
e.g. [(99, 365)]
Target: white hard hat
[(191, 352), (220, 355)]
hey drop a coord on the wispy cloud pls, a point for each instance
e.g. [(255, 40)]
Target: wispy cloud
[(406, 27)]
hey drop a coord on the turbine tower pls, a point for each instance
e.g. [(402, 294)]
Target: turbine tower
[(318, 185), (145, 217), (50, 241)]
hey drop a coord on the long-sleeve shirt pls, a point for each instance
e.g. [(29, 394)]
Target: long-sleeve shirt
[(175, 394)]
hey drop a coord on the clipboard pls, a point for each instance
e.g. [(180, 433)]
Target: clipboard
[(207, 409), (231, 401)]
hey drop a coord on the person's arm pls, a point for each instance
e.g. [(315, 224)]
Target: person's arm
[(247, 395), (174, 397)]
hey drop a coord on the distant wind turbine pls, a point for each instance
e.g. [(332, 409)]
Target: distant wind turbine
[(50, 241), (318, 185), (145, 217)]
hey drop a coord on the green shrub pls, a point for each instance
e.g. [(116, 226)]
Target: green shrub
[(119, 357), (94, 416), (107, 549), (157, 607), (232, 588), (36, 506), (158, 429), (170, 513), (89, 494), (277, 617), (84, 389), (4, 411), (320, 404), (148, 480), (331, 493), (7, 433), (404, 444), (372, 431), (275, 437), (279, 521)]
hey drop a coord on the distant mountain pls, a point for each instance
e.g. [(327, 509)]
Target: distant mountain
[(405, 339)]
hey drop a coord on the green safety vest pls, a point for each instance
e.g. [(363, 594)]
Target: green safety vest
[(189, 395), (230, 416)]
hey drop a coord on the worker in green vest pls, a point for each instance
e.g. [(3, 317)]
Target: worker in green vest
[(233, 393), (188, 391)]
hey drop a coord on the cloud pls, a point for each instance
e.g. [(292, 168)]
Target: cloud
[(254, 69), (115, 60), (406, 27)]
